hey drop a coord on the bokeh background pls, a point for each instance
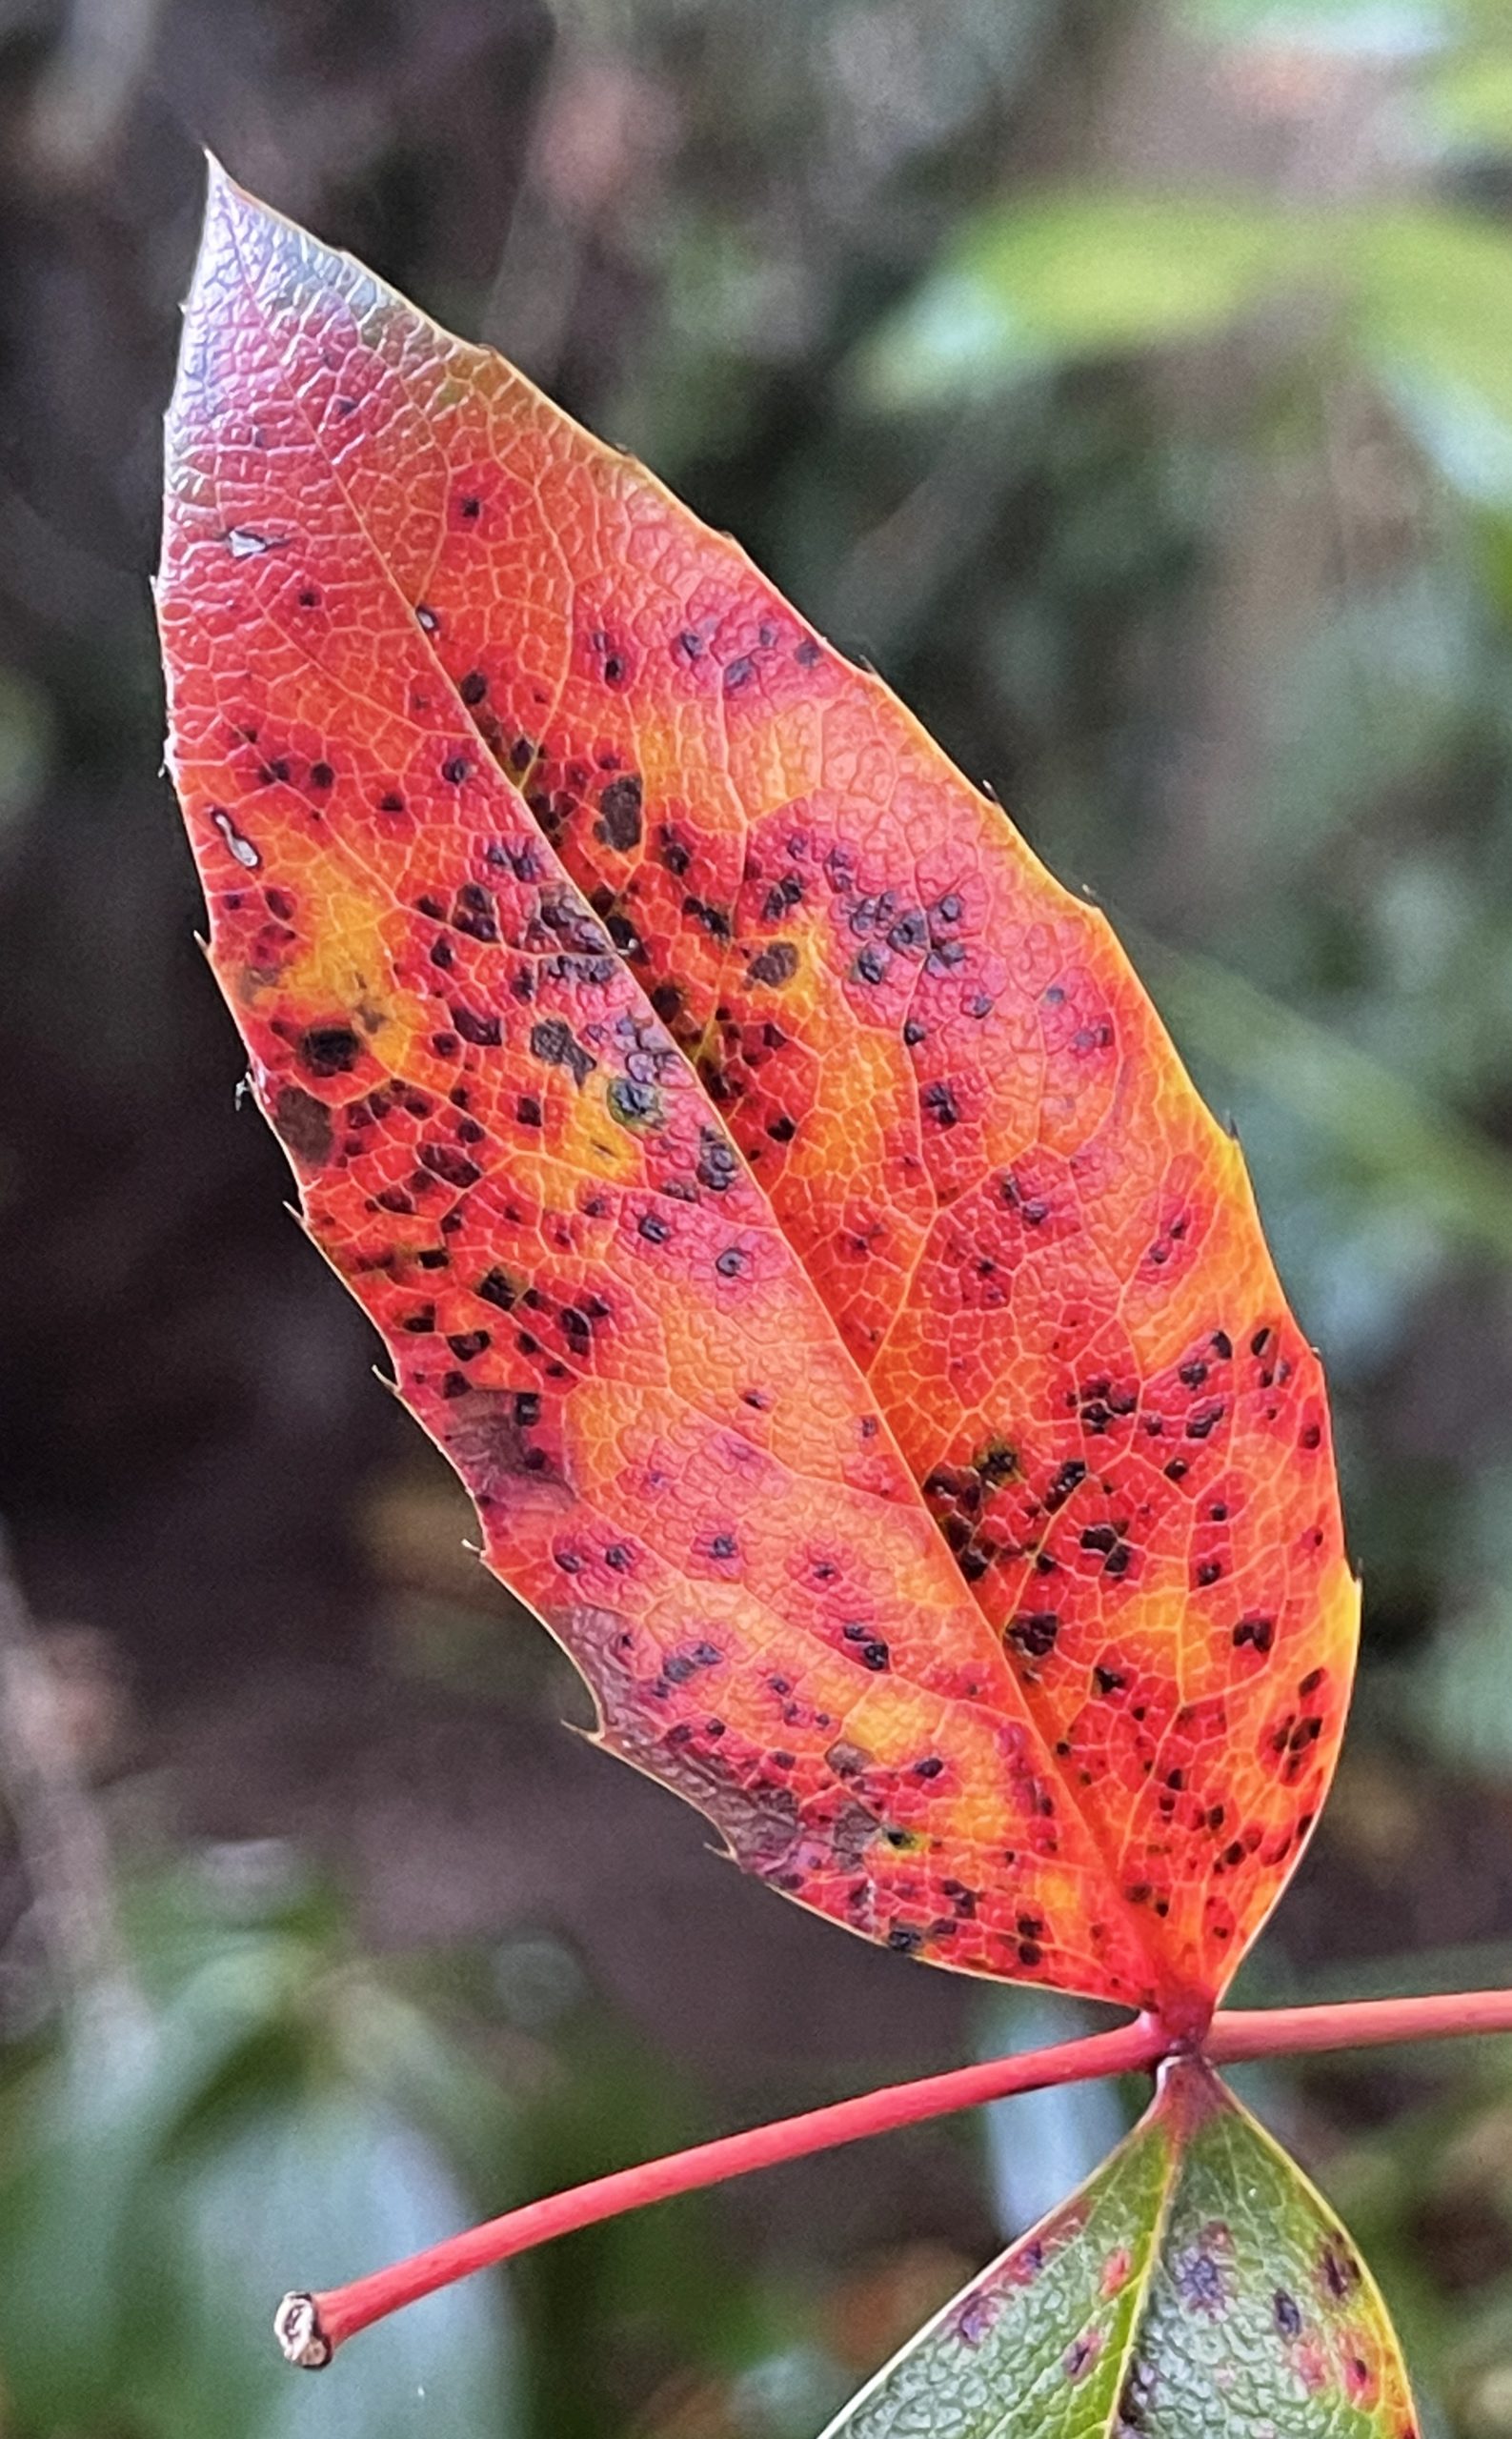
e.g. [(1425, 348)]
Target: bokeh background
[(1133, 385)]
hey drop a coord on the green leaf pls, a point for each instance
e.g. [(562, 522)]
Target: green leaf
[(1383, 1129), (1196, 2284), (1472, 100), (1436, 318), (1081, 272)]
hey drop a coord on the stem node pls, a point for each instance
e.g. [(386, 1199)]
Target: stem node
[(297, 2326)]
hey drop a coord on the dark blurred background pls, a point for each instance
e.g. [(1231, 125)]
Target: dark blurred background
[(1132, 385)]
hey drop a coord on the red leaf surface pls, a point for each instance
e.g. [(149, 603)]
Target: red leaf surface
[(745, 1148)]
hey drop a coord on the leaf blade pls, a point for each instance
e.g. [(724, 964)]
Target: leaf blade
[(366, 515), (972, 1126), (587, 1301)]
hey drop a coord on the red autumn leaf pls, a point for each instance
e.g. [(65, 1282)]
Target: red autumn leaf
[(506, 777)]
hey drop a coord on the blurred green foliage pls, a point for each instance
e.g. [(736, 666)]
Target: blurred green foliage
[(267, 2101)]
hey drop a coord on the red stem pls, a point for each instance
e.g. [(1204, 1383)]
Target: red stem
[(311, 2326)]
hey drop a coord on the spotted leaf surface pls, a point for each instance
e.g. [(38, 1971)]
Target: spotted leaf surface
[(777, 1194), (1196, 2285)]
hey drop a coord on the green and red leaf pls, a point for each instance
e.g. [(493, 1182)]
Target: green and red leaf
[(777, 1195), (1196, 2284)]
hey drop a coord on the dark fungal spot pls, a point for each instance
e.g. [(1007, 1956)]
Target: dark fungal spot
[(1200, 2280), (674, 852), (1286, 2313), (785, 893), (806, 652), (717, 1164), (1034, 1632), (713, 919), (774, 965), (484, 1033), (495, 1288), (1261, 1632), (473, 688), (940, 1102), (652, 1228), (528, 1110), (633, 1104), (1063, 1483), (329, 1050), (474, 912), (731, 1262), (737, 674), (1031, 1210), (619, 824), (390, 801), (452, 1167), (321, 774), (553, 1041), (468, 1344), (304, 1125), (1337, 2270)]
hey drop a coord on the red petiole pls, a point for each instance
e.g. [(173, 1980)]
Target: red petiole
[(311, 2327)]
